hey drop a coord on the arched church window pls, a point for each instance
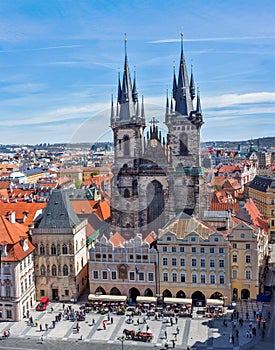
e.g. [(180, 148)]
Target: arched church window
[(183, 140), (135, 187), (53, 249), (126, 193), (65, 270), (42, 249), (126, 145), (42, 270), (54, 270), (64, 249)]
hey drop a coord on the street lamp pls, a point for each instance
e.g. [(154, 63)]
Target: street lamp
[(121, 339)]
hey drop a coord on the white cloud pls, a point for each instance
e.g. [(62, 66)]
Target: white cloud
[(238, 99)]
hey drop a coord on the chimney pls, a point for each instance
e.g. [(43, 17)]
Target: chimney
[(12, 217)]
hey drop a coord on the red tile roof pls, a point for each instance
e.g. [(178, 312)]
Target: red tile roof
[(117, 240)]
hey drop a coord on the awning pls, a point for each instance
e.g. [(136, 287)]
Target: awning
[(177, 300), (214, 302), (143, 299), (102, 297)]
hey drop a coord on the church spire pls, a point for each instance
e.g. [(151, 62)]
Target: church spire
[(182, 95), (192, 88), (119, 90), (112, 109), (134, 89)]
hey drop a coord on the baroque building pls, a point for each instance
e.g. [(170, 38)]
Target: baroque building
[(155, 177)]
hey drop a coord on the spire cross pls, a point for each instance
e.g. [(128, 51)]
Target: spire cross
[(153, 121), (181, 35), (125, 44)]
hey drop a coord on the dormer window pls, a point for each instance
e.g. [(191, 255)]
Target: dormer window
[(169, 238)]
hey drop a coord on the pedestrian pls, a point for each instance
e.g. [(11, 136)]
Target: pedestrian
[(93, 321), (165, 334), (112, 320), (36, 322), (176, 320), (263, 333), (46, 326), (63, 307), (40, 327), (233, 339), (173, 343), (237, 333), (178, 330), (53, 322), (147, 328), (138, 321), (28, 314)]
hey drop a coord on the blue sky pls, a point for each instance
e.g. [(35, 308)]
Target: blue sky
[(59, 61)]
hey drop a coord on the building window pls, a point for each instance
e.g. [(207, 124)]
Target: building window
[(221, 263), (174, 249), (64, 249), (182, 249), (182, 262), (235, 274), (234, 246), (42, 270), (131, 276), (113, 274), (193, 239), (202, 250), (212, 263), (42, 249), (54, 270), (194, 278), (66, 292), (174, 277), (202, 262), (211, 250), (242, 235), (247, 246), (164, 261), (182, 277), (164, 249), (150, 276), (221, 279), (221, 251), (8, 291), (95, 275), (212, 279), (194, 262), (42, 293), (202, 279), (247, 259), (65, 270), (216, 239), (248, 274), (168, 239), (235, 258), (104, 275), (53, 249), (141, 276), (165, 276), (9, 313), (193, 249), (174, 261), (6, 269), (22, 287)]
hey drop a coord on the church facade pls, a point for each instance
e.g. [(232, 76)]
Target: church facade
[(155, 177)]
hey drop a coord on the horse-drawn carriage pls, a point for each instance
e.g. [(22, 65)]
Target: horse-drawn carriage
[(139, 336)]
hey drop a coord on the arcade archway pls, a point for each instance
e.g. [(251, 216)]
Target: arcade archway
[(198, 299), (245, 294), (133, 293), (180, 294), (167, 294)]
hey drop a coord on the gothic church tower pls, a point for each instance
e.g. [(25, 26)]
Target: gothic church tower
[(140, 200), (184, 123)]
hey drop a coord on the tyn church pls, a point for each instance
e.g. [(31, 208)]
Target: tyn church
[(155, 177)]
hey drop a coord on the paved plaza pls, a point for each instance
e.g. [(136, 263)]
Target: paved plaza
[(195, 333)]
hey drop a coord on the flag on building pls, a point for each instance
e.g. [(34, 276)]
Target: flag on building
[(108, 268), (137, 270)]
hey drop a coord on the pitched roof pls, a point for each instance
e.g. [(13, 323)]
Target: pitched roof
[(117, 240), (262, 183), (22, 210), (59, 212), (11, 233)]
